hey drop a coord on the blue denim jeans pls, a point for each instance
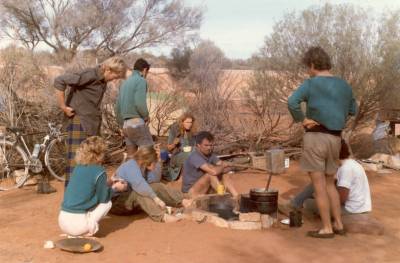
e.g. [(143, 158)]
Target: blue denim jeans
[(299, 199)]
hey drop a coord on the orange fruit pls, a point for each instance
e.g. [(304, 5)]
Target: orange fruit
[(87, 247)]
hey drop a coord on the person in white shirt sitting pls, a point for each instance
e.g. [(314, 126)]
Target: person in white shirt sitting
[(352, 185)]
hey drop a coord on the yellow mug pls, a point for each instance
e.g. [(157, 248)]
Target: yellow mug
[(220, 189)]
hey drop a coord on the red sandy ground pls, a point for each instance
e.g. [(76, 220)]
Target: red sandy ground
[(28, 219)]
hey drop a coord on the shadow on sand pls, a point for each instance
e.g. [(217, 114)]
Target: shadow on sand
[(114, 223)]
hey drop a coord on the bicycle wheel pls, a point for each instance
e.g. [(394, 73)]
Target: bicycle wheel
[(55, 157), (14, 165)]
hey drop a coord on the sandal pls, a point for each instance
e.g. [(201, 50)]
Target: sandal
[(340, 232), (317, 234)]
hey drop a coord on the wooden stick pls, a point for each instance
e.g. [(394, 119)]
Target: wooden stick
[(246, 166), (232, 155), (269, 181)]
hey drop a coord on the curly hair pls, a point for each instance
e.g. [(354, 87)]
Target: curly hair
[(91, 151), (115, 64), (317, 57), (182, 118), (145, 155)]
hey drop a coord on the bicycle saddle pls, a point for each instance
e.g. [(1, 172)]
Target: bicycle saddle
[(15, 129)]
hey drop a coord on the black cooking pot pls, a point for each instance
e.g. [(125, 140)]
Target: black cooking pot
[(260, 195), (223, 210), (264, 207), (222, 205), (245, 204), (225, 199)]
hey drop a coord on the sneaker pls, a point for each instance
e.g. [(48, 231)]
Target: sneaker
[(170, 219)]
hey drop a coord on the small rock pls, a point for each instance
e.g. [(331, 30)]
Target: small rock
[(250, 217), (49, 244), (244, 225), (218, 221), (199, 215), (30, 182), (370, 167), (267, 221), (201, 203)]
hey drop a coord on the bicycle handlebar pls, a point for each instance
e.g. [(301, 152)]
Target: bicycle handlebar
[(55, 130)]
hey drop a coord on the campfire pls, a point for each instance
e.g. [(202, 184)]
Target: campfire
[(220, 211)]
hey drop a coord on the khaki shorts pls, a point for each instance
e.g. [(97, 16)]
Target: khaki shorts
[(320, 152)]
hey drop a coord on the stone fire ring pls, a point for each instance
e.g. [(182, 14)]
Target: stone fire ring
[(247, 221)]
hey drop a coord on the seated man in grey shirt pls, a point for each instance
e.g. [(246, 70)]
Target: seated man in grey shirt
[(203, 170)]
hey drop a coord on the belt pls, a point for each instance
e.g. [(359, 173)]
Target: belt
[(323, 129)]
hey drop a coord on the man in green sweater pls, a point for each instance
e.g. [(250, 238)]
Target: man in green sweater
[(329, 101), (131, 108)]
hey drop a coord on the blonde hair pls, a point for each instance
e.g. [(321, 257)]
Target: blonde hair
[(91, 151), (145, 155), (115, 64)]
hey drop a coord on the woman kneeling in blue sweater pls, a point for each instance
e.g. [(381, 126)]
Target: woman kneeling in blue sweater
[(87, 198)]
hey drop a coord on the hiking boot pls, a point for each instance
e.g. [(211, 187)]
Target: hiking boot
[(44, 187)]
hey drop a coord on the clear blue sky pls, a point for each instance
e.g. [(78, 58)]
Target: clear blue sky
[(238, 27)]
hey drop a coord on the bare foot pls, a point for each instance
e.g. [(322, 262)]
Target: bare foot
[(187, 203), (170, 218), (337, 226), (325, 231)]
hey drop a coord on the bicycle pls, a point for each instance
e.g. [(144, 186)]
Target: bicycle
[(16, 160)]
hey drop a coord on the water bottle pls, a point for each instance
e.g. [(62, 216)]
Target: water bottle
[(36, 150)]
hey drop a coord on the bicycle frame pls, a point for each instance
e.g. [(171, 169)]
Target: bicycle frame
[(54, 132), (15, 141), (20, 140), (2, 154)]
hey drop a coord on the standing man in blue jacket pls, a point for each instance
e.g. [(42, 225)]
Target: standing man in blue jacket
[(329, 101), (131, 108)]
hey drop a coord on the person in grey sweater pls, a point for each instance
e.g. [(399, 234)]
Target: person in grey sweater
[(79, 96)]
